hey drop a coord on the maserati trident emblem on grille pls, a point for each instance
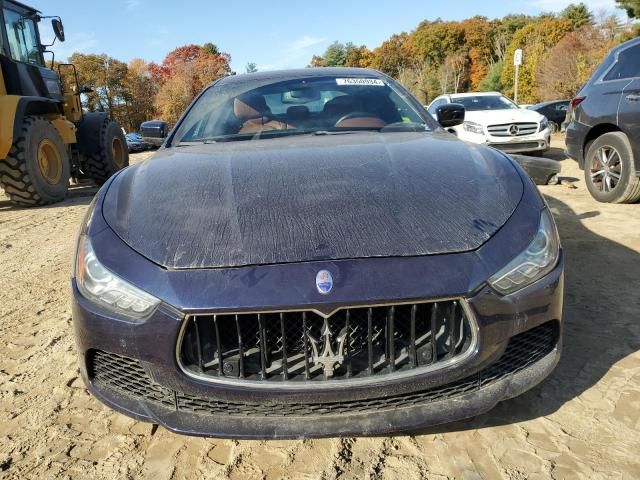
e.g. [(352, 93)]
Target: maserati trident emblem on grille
[(514, 130), (329, 359)]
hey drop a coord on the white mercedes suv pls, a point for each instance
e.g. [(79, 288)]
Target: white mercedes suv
[(492, 119)]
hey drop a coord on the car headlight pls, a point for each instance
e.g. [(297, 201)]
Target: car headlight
[(544, 124), (538, 259), (473, 127), (103, 287)]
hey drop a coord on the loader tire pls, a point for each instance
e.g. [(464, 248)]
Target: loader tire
[(36, 170), (110, 154)]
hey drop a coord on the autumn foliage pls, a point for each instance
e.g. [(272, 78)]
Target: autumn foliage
[(184, 72), (139, 91), (477, 53)]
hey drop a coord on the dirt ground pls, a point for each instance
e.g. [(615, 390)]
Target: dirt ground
[(582, 422)]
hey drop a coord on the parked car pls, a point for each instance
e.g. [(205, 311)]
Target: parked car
[(494, 120), (555, 111), (135, 142), (311, 254), (154, 132), (604, 132)]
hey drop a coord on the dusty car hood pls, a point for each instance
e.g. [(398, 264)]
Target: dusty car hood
[(312, 198)]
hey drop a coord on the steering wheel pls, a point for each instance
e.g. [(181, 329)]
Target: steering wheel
[(355, 115)]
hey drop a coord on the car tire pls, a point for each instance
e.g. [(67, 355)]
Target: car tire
[(36, 170), (609, 170)]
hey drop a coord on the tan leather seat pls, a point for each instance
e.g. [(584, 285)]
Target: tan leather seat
[(339, 107), (255, 115)]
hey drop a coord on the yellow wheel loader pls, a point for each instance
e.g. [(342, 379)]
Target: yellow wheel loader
[(45, 138)]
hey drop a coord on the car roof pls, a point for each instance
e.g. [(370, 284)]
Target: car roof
[(623, 46), (301, 72)]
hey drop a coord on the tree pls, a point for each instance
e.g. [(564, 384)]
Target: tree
[(335, 55), (569, 64), (210, 49), (478, 38), (455, 66), (358, 56), (579, 15), (631, 6), (343, 55), (392, 55), (106, 75), (421, 79), (252, 67), (184, 72), (140, 90), (535, 39), (492, 83)]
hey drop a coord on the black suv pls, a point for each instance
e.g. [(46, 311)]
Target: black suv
[(604, 133)]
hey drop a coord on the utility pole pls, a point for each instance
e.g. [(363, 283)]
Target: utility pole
[(517, 61)]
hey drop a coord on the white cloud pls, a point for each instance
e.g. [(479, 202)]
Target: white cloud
[(295, 53)]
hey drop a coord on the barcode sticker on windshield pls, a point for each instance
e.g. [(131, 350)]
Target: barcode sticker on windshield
[(360, 81)]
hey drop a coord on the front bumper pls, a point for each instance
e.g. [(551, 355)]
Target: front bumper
[(538, 142), (189, 406)]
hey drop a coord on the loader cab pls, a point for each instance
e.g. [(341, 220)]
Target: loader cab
[(21, 54)]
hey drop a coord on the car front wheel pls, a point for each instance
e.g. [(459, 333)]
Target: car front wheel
[(609, 172)]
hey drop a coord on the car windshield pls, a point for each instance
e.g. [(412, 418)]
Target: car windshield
[(485, 102), (266, 108)]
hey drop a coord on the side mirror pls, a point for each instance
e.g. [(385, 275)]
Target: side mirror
[(450, 115), (58, 29)]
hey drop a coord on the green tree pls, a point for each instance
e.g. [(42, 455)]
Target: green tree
[(335, 55), (578, 14), (251, 67), (631, 6), (210, 49), (492, 82)]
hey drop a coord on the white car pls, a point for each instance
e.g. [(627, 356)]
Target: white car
[(492, 119)]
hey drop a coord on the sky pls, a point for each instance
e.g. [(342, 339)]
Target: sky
[(274, 35)]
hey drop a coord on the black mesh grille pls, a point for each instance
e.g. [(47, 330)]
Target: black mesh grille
[(303, 346), (127, 377)]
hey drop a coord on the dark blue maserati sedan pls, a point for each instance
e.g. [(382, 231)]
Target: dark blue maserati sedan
[(310, 254)]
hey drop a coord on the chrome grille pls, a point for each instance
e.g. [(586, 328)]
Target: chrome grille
[(303, 346), (517, 129)]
